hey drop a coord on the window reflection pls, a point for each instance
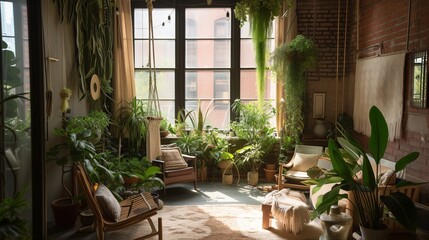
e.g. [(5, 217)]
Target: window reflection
[(419, 74)]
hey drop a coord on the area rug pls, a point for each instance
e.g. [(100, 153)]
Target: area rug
[(223, 221)]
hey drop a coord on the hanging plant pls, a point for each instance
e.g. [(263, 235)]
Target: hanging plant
[(261, 13), (93, 23), (290, 61)]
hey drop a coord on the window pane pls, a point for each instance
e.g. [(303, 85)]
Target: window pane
[(160, 18), (165, 84), (216, 112), (247, 53), (207, 23), (248, 85), (164, 53), (245, 30), (208, 53), (7, 19), (207, 85)]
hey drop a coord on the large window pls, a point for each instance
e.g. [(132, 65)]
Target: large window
[(203, 58)]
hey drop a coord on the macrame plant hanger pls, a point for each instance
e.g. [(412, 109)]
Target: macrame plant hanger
[(153, 139)]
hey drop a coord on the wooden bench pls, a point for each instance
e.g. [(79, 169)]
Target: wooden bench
[(133, 210)]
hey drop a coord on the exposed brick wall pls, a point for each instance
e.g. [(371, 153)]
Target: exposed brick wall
[(318, 20), (385, 23)]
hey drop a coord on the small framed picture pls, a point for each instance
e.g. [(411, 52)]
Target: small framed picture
[(319, 105)]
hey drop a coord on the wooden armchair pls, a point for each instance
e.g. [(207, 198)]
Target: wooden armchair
[(108, 217), (176, 167), (304, 157)]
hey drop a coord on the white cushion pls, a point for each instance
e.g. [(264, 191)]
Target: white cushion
[(303, 161)]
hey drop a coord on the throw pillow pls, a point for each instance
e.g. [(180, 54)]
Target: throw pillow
[(110, 207), (304, 161), (173, 159)]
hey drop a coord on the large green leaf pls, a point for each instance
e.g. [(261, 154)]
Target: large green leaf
[(325, 201), (379, 134), (368, 176), (402, 209), (338, 163), (351, 149), (402, 163)]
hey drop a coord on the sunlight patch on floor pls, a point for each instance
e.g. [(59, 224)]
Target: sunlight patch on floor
[(220, 197)]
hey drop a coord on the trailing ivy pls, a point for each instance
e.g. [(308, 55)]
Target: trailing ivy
[(261, 13), (290, 63), (93, 23)]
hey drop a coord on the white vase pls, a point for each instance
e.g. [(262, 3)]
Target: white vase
[(374, 234), (252, 178), (319, 129)]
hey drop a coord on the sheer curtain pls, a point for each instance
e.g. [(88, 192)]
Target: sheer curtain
[(123, 79), (286, 31)]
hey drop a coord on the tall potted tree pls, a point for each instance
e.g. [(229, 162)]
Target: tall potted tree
[(260, 14), (290, 61)]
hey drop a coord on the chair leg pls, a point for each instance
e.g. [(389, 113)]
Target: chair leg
[(195, 185), (160, 228)]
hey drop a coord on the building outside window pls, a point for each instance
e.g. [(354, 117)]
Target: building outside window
[(202, 58)]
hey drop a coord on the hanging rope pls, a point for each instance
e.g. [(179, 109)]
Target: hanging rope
[(154, 108), (153, 140)]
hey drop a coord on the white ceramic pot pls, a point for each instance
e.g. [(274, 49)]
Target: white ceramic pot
[(373, 234), (319, 129)]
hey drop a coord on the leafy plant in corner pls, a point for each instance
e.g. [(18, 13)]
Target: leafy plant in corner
[(261, 13), (12, 225), (367, 203), (290, 61)]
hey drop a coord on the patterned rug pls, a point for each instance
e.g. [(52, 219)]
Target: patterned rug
[(223, 221)]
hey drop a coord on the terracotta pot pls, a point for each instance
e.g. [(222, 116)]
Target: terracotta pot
[(269, 175), (130, 180), (164, 134), (86, 217), (65, 212), (270, 166)]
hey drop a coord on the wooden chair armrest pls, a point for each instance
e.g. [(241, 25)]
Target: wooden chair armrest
[(189, 158), (158, 161)]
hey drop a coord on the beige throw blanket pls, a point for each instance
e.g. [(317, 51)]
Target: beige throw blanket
[(290, 208)]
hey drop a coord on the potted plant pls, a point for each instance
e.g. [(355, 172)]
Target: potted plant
[(12, 225), (254, 127), (78, 147), (260, 14), (164, 127), (367, 202), (290, 61), (132, 125)]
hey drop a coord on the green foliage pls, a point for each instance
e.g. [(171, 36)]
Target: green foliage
[(368, 205), (253, 126), (209, 146), (164, 125), (12, 225), (290, 61), (93, 22), (141, 168), (261, 14), (132, 124)]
